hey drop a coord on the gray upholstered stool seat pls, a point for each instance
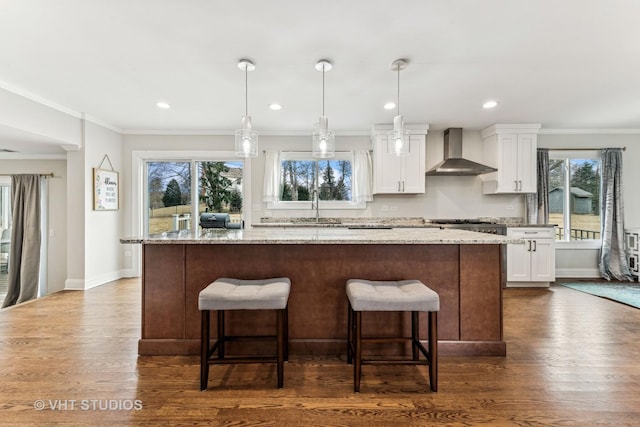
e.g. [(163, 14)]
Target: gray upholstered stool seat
[(403, 295), (237, 294)]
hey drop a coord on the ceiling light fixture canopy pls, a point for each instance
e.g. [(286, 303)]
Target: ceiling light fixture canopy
[(399, 138), (246, 137), (324, 144)]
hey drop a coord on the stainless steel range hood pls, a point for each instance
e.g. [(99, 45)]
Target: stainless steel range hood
[(453, 163)]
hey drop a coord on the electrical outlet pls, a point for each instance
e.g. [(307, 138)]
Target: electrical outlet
[(52, 233), (509, 207), (127, 253), (393, 208), (384, 208)]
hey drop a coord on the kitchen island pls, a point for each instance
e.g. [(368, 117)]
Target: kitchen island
[(465, 268)]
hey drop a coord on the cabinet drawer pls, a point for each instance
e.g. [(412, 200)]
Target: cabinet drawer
[(531, 233)]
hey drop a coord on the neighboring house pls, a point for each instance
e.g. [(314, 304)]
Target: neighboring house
[(581, 201), (235, 175)]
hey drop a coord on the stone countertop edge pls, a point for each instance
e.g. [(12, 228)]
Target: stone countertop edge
[(532, 226), (327, 236)]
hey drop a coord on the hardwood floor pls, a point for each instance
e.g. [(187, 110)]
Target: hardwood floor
[(572, 359)]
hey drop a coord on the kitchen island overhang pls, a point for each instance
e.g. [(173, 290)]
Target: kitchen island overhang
[(465, 268)]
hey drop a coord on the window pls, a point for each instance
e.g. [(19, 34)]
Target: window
[(303, 177), (178, 191), (574, 194)]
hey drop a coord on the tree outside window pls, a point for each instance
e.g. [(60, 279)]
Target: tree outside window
[(299, 180)]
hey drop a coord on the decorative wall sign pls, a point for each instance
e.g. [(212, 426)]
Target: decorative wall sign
[(105, 188)]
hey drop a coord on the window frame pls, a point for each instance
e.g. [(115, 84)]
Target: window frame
[(568, 155), (322, 204), (139, 189)]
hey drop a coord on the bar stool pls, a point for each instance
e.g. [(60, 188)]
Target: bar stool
[(404, 295), (236, 294)]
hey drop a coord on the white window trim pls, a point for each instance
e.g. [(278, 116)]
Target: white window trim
[(574, 154), (323, 204)]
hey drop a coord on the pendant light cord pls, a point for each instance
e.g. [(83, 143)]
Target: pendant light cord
[(398, 68), (246, 90), (323, 65)]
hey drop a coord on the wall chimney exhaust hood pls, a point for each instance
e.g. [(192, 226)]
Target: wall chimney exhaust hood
[(453, 163)]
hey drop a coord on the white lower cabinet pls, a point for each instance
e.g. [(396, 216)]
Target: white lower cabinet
[(534, 262)]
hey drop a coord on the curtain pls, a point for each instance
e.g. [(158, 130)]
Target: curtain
[(271, 187), (24, 258), (362, 178), (613, 260), (537, 204)]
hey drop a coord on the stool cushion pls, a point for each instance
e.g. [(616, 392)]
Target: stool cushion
[(403, 295), (236, 294)]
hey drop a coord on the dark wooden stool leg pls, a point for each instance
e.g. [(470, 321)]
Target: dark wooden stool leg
[(204, 350), (220, 334), (349, 333), (280, 339), (357, 366), (415, 334), (286, 333), (433, 350)]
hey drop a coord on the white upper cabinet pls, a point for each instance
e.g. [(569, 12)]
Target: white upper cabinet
[(512, 150), (398, 174)]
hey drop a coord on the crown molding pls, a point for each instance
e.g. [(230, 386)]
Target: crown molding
[(38, 99), (631, 131), (283, 132)]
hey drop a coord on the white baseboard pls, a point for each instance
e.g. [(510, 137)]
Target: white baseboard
[(83, 285), (128, 273), (527, 284), (586, 273), (74, 285)]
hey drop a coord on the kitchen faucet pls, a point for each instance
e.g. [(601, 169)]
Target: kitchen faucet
[(315, 203)]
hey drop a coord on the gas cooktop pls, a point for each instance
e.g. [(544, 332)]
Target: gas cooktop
[(459, 221)]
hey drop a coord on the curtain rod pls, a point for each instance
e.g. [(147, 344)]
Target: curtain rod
[(584, 149), (306, 151), (46, 175)]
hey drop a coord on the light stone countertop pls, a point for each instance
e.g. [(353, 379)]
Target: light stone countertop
[(319, 235)]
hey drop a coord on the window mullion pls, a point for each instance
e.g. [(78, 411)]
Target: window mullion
[(567, 199)]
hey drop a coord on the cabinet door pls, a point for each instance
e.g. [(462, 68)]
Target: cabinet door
[(508, 163), (543, 264), (413, 178), (519, 262), (387, 168), (527, 162), (399, 174)]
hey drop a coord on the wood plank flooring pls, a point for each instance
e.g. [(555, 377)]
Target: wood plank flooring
[(573, 360)]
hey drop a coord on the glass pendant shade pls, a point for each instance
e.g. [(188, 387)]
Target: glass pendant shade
[(324, 141), (399, 138), (246, 139)]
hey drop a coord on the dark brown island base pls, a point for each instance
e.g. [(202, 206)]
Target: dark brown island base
[(465, 268)]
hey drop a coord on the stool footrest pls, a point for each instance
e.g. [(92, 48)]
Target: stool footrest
[(394, 362), (231, 360)]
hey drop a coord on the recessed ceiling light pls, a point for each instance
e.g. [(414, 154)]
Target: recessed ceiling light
[(274, 106), (389, 106), (162, 104), (489, 104)]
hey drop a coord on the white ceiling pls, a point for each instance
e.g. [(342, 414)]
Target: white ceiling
[(567, 64)]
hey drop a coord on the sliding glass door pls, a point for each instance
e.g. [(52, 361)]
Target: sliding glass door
[(178, 191)]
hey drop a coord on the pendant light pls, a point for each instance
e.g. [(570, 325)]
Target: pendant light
[(246, 138), (324, 144), (399, 138)]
